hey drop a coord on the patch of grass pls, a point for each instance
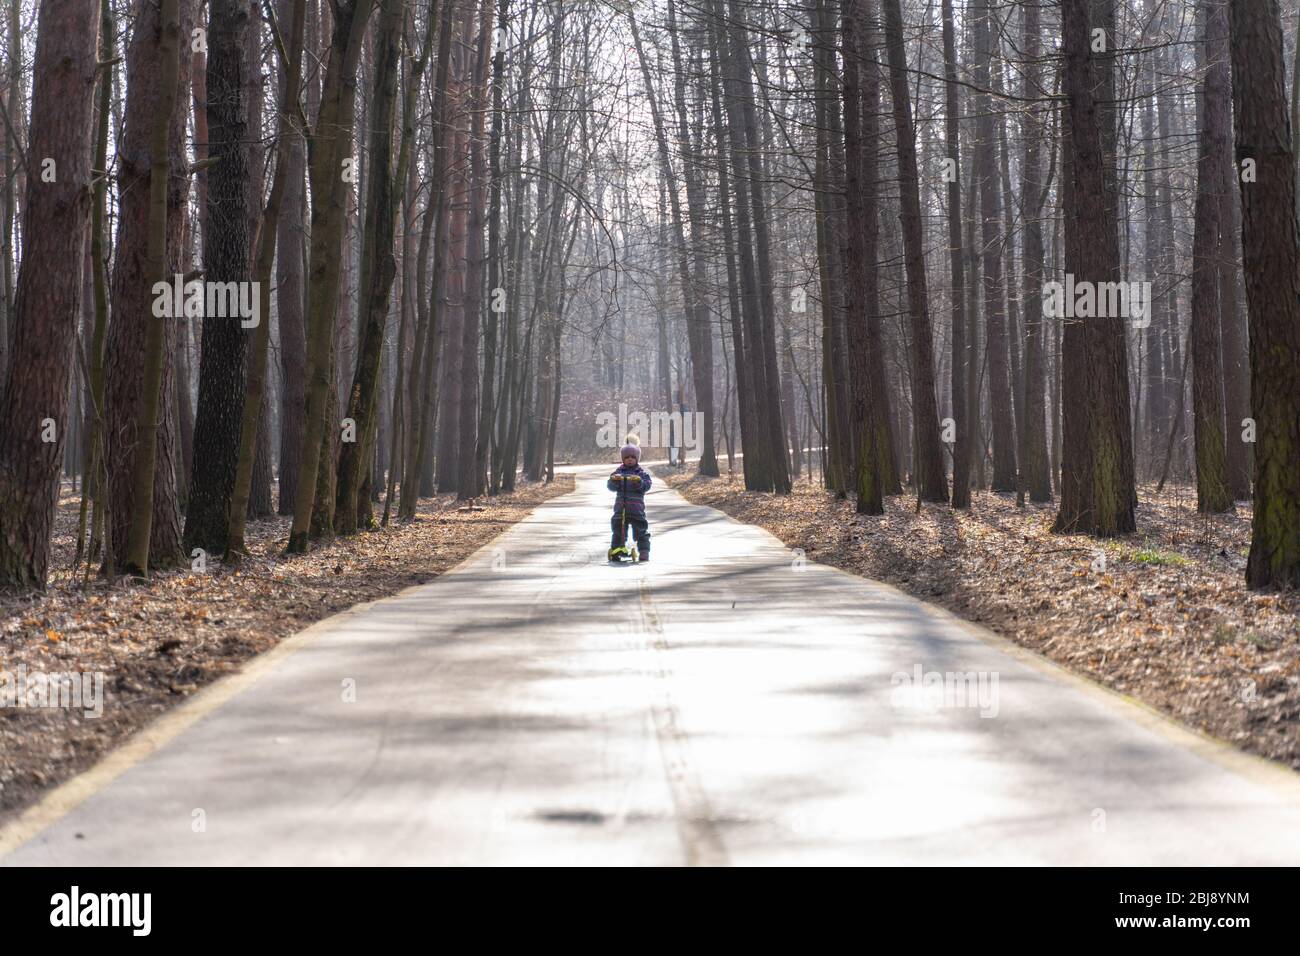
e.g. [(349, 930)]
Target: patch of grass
[(1223, 634), (1258, 639), (1149, 555)]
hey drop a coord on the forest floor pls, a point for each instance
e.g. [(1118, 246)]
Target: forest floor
[(157, 643), (1163, 617)]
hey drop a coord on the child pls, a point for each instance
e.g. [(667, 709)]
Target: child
[(630, 483)]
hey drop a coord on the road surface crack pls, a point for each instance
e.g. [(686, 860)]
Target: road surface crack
[(695, 825)]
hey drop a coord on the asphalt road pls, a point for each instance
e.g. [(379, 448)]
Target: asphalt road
[(727, 703)]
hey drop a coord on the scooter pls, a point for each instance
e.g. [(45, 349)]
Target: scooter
[(624, 553)]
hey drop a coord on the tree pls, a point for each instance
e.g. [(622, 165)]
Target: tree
[(290, 292), (94, 488), (35, 401), (251, 421), (760, 470), (227, 262), (699, 325), (931, 482), (1212, 491), (487, 452), (473, 476), (1270, 241), (152, 186), (862, 273), (1097, 492), (423, 385), (995, 317), (1034, 473), (378, 265), (332, 140), (960, 357)]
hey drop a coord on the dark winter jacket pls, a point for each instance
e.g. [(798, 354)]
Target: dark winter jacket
[(629, 486)]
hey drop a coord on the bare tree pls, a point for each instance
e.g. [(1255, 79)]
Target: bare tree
[(34, 406), (1270, 240)]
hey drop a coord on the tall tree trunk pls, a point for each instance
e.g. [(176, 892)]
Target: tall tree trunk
[(1034, 476), (423, 388), (1153, 392), (97, 487), (699, 324), (473, 444), (1170, 391), (1270, 241), (453, 254), (227, 259), (770, 397), (881, 395), (48, 300), (488, 448), (956, 260), (829, 231), (260, 502), (995, 319), (1212, 492), (759, 467), (1097, 495), (861, 269), (378, 266), (1236, 368), (289, 293), (332, 144), (145, 488), (931, 482), (744, 395), (14, 177), (974, 343), (404, 180), (252, 419)]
